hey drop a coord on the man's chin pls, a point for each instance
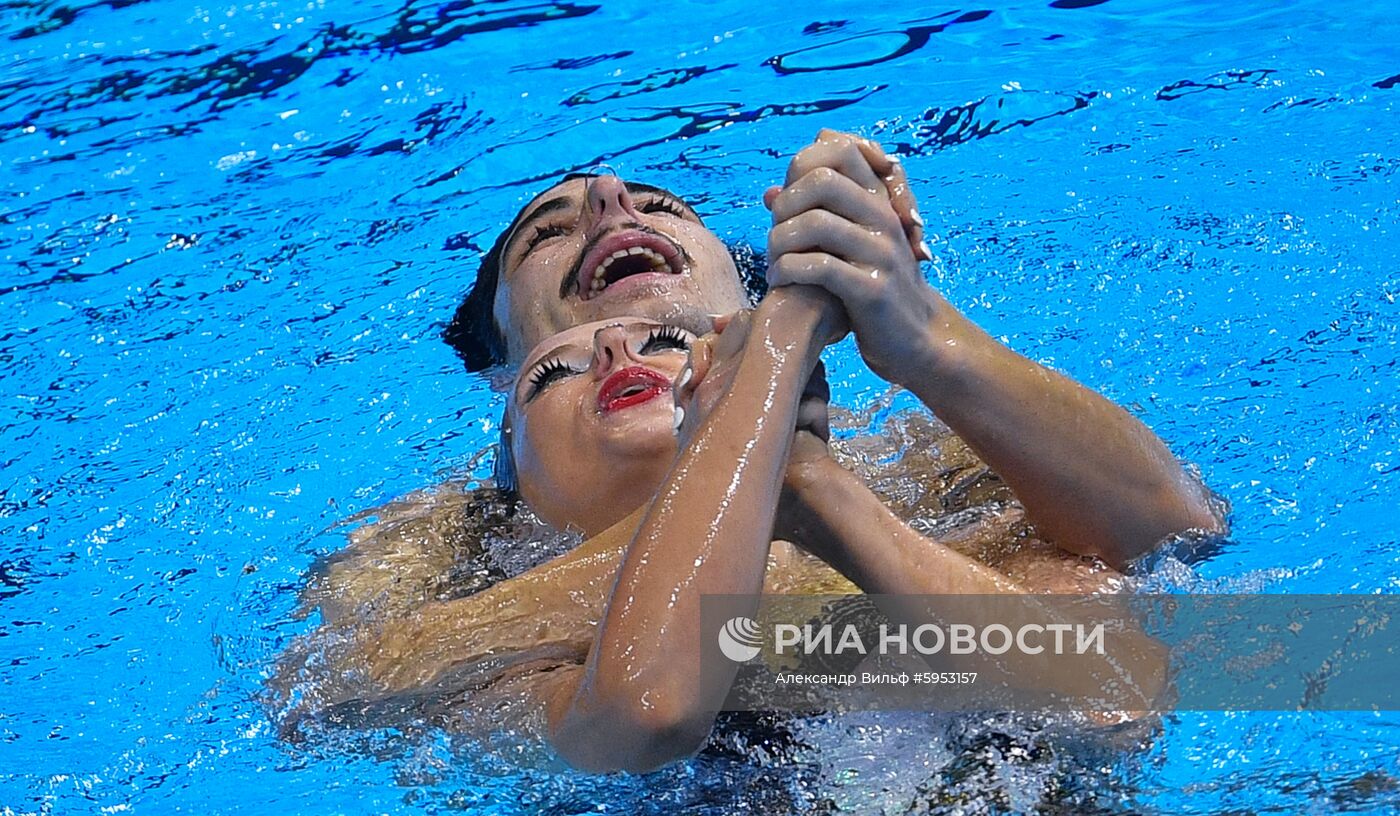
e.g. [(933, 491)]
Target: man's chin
[(676, 304), (650, 286)]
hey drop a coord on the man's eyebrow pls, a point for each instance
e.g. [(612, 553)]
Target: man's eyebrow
[(564, 202)]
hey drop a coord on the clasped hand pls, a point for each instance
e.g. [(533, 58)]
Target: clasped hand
[(846, 220), (846, 231)]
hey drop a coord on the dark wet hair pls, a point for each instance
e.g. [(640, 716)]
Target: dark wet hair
[(476, 336)]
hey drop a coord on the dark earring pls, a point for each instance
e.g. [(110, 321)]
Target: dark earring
[(503, 469)]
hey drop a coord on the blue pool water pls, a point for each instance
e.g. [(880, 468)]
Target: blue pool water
[(231, 233)]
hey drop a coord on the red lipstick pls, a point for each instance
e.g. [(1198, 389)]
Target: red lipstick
[(629, 387)]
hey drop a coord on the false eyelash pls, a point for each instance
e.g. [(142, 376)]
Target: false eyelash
[(668, 335), (546, 373)]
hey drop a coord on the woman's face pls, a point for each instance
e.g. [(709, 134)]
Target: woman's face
[(592, 420), (591, 249)]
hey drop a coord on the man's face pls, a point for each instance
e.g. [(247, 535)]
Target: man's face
[(591, 249)]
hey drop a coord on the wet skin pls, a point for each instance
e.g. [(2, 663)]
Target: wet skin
[(1093, 479), (681, 274), (600, 392), (836, 228), (611, 704), (1090, 476)]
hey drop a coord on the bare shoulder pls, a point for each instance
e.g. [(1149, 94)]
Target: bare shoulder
[(404, 553)]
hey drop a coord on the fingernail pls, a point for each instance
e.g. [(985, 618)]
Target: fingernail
[(685, 378), (679, 418), (928, 253), (915, 217)]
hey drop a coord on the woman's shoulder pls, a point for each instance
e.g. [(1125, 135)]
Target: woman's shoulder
[(449, 540)]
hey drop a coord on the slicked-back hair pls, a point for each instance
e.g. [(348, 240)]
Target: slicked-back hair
[(478, 339), (473, 330)]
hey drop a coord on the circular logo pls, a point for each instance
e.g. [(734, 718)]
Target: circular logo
[(740, 640)]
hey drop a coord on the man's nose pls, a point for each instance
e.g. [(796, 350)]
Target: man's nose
[(609, 350), (608, 203)]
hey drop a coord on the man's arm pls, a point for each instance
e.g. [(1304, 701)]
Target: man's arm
[(830, 512), (1092, 478)]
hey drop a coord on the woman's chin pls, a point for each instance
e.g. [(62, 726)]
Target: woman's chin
[(640, 430)]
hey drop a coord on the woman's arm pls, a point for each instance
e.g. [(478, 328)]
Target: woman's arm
[(644, 698), (398, 559), (1093, 479), (626, 601), (831, 513), (488, 655), (443, 648)]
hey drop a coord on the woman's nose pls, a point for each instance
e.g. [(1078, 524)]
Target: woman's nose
[(608, 203), (609, 350)]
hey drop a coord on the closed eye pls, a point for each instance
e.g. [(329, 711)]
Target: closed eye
[(543, 234), (666, 338), (546, 374), (663, 204)]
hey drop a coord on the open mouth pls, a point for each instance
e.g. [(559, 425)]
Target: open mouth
[(631, 386), (624, 255)]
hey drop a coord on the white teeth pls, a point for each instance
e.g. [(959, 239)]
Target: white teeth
[(655, 257), (658, 262), (679, 418)]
